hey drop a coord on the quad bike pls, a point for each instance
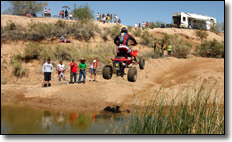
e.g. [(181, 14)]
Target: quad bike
[(122, 61), (65, 41)]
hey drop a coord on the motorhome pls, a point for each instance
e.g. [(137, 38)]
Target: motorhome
[(193, 21)]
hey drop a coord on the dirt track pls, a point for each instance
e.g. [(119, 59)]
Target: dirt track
[(171, 73)]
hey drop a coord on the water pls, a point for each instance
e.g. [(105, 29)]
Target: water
[(25, 120)]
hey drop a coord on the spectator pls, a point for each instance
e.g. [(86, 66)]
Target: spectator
[(98, 16), (108, 18), (94, 70), (45, 12), (62, 14), (143, 24), (111, 17), (70, 16), (116, 18), (49, 12), (82, 67), (61, 71), (147, 24), (163, 46), (139, 26), (47, 70), (73, 72), (66, 14), (136, 26), (169, 49), (119, 21), (156, 46)]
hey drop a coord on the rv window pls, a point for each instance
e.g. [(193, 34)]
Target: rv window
[(184, 18)]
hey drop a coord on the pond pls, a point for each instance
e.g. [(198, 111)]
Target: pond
[(26, 120)]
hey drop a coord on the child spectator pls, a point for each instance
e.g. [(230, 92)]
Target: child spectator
[(82, 66), (61, 69), (94, 70), (73, 72), (47, 70)]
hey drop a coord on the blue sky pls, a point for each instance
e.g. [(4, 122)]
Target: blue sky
[(131, 12)]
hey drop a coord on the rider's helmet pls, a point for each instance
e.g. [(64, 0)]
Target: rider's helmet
[(124, 30)]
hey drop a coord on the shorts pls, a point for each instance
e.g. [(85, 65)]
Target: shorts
[(93, 71), (47, 76)]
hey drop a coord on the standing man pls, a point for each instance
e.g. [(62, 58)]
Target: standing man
[(119, 21), (82, 66), (144, 24), (94, 70), (136, 26), (163, 46), (47, 70), (73, 72), (61, 69), (98, 16), (169, 49), (45, 12)]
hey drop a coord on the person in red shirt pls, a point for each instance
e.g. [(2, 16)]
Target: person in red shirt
[(73, 72), (147, 25)]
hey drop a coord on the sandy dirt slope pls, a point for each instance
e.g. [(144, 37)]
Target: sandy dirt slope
[(171, 73)]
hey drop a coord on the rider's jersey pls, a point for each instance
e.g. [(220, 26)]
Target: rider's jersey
[(123, 39)]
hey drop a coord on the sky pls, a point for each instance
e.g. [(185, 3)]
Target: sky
[(131, 12)]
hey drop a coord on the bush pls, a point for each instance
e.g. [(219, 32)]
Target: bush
[(115, 31), (146, 39), (180, 48), (129, 28), (18, 70), (152, 25), (202, 34), (211, 49), (82, 13), (137, 32)]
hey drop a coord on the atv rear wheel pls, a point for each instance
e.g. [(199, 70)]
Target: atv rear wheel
[(141, 63), (132, 74), (107, 72)]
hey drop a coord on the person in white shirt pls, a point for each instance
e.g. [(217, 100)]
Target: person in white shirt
[(61, 72), (144, 24), (94, 70), (45, 12), (136, 26), (98, 16), (47, 70), (70, 16)]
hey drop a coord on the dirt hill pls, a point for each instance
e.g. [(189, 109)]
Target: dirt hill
[(170, 74)]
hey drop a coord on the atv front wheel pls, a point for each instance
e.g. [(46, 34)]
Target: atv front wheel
[(132, 74), (141, 63), (107, 72)]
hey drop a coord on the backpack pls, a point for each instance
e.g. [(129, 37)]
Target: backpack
[(122, 37)]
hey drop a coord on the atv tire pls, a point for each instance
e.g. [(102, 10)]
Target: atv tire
[(107, 72), (132, 74), (141, 63)]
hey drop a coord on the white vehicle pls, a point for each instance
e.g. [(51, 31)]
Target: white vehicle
[(193, 21)]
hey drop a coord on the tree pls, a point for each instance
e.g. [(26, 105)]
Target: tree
[(82, 12), (22, 7)]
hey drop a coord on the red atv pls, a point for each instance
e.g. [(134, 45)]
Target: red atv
[(65, 41), (122, 61)]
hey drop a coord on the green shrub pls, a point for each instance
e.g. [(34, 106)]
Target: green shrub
[(152, 25), (115, 31), (180, 49), (202, 34), (18, 70), (211, 49), (82, 12), (146, 39), (129, 28), (137, 32)]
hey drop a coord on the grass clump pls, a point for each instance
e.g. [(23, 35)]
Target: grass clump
[(196, 115), (211, 49), (18, 69), (180, 48), (147, 39), (202, 34), (137, 32), (115, 31)]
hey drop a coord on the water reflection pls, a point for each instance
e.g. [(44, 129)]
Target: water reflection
[(24, 120)]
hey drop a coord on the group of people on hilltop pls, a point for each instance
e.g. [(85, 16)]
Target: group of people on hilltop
[(47, 12), (61, 68), (108, 18), (65, 14), (142, 26)]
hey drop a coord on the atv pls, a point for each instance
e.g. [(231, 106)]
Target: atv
[(122, 61), (65, 41)]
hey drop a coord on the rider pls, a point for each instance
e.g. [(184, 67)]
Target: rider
[(63, 38), (122, 41)]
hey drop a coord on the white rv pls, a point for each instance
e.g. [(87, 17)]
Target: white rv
[(194, 21)]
